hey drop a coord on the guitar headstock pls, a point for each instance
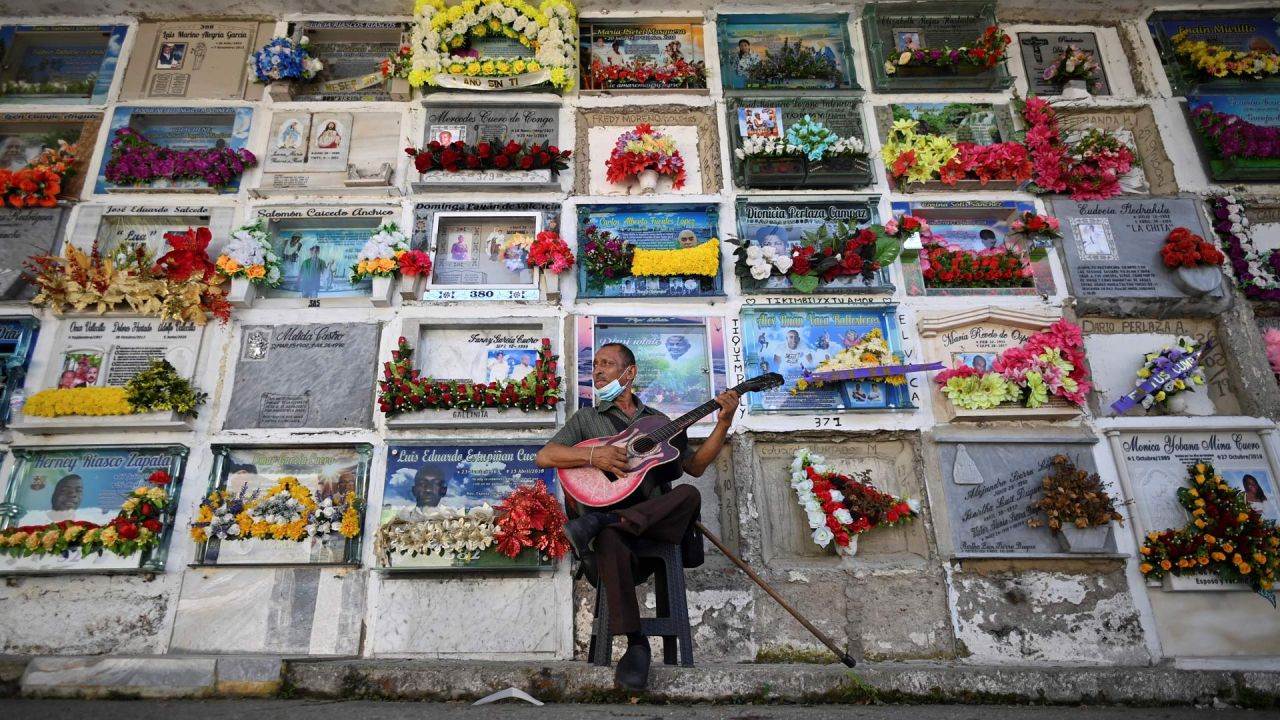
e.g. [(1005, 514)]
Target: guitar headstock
[(761, 382)]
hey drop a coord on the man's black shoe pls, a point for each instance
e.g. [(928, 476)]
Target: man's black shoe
[(581, 531), (633, 669)]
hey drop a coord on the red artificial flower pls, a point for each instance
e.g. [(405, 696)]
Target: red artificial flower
[(159, 477), (152, 524)]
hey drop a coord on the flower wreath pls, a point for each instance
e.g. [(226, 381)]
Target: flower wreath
[(287, 511), (403, 390), (1227, 537), (441, 35), (841, 507), (1257, 272), (137, 527), (1179, 363)]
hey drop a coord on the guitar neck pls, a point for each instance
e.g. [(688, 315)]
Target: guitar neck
[(675, 427)]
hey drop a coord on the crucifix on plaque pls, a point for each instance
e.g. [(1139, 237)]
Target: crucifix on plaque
[(1035, 43)]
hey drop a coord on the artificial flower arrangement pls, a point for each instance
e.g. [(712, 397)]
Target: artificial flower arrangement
[(1073, 498), (1256, 271), (159, 388), (809, 139), (983, 54), (398, 64), (680, 74), (249, 255), (870, 351), (822, 256), (82, 87), (1048, 364), (606, 257), (1231, 137), (793, 61), (1089, 169), (1179, 363), (286, 511), (380, 256), (1271, 338), (1214, 60), (842, 507), (528, 518), (911, 156), (138, 527), (1226, 537), (1036, 227), (550, 253), (39, 182), (403, 390), (442, 35), (135, 160), (183, 285), (489, 155), (644, 149), (945, 265), (1184, 248), (1075, 64), (284, 59)]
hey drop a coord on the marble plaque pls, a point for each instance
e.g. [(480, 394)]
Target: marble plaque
[(108, 351), (989, 488), (193, 59), (322, 152), (481, 249), (1040, 50), (1116, 349), (24, 233), (1155, 464), (272, 611), (313, 376), (120, 228), (767, 222), (1112, 251)]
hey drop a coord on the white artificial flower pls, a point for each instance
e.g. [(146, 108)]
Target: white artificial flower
[(816, 519), (761, 272), (803, 486), (913, 504), (843, 516), (823, 536), (770, 252), (754, 253), (783, 263), (837, 496)]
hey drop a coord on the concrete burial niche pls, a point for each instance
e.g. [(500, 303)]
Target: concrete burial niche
[(1113, 263), (976, 338), (527, 123), (123, 227), (59, 64), (24, 135), (693, 130), (194, 59), (304, 376), (1116, 350), (23, 234), (352, 153), (1152, 463), (352, 52), (1040, 50), (178, 128), (90, 350)]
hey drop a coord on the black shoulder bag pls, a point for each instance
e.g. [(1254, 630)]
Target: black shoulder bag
[(692, 552)]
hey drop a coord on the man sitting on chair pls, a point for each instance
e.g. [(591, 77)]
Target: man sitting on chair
[(658, 516)]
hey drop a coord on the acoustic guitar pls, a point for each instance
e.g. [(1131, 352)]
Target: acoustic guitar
[(648, 445)]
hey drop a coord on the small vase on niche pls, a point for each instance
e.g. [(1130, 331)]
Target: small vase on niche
[(646, 182), (1076, 90)]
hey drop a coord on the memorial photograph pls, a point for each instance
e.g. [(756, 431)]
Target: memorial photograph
[(484, 250), (611, 237), (660, 54), (52, 64), (792, 52), (442, 506)]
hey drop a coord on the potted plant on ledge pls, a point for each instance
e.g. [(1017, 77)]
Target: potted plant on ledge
[(1077, 508)]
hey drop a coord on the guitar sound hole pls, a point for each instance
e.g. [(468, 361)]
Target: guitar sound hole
[(643, 445)]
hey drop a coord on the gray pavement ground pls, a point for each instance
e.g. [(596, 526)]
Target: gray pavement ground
[(369, 710)]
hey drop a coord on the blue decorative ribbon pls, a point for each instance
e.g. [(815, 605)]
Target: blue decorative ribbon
[(1160, 378), (871, 372)]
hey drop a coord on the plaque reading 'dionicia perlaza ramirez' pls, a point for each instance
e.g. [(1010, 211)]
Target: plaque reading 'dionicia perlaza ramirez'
[(312, 376)]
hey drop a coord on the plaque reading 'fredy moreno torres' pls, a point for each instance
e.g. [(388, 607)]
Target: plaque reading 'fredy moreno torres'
[(312, 376)]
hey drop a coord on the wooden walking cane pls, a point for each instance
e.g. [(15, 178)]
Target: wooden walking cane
[(831, 645)]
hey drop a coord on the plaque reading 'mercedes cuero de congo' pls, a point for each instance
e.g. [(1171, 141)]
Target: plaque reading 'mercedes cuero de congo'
[(313, 376)]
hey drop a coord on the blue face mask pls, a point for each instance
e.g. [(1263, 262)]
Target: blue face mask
[(609, 392)]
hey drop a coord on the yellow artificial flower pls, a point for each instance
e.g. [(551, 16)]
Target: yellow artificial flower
[(86, 401), (703, 260), (1145, 568), (534, 66), (518, 66), (473, 68)]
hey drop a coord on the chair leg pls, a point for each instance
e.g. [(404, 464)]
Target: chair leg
[(662, 584), (678, 607), (601, 650)]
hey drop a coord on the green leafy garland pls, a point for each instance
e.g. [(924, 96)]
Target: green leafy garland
[(160, 387)]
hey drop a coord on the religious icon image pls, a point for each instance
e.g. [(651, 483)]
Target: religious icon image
[(257, 345), (290, 137), (330, 138), (171, 56)]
